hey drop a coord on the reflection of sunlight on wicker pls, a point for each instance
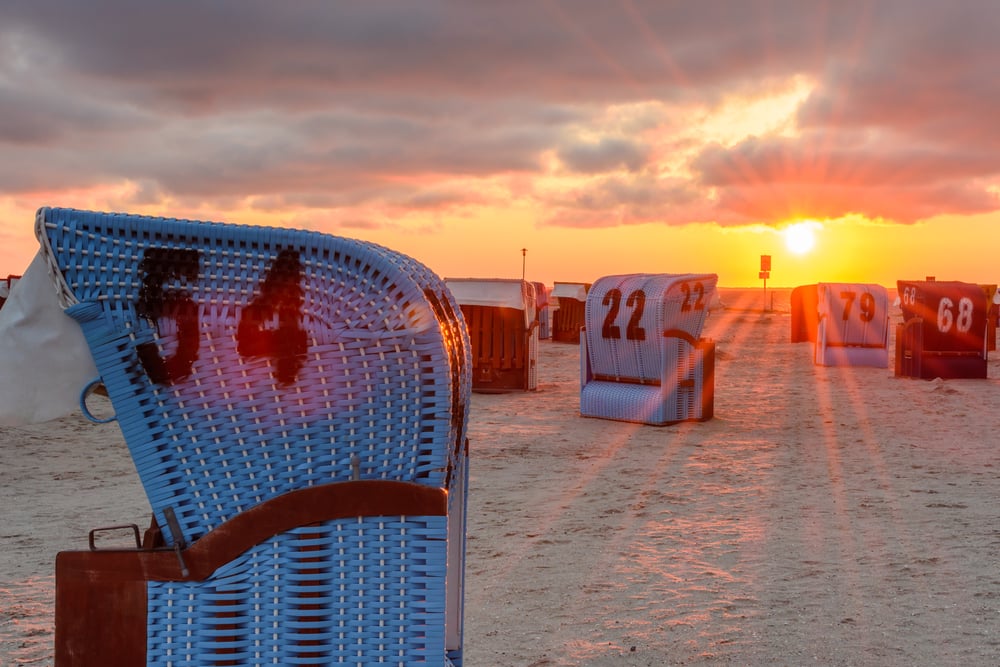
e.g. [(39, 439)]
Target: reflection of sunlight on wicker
[(641, 357), (376, 389)]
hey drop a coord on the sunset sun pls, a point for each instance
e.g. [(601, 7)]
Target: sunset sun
[(800, 237)]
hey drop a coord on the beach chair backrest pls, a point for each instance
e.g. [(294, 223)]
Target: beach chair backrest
[(569, 302), (953, 313), (244, 362), (854, 314), (629, 317), (501, 318)]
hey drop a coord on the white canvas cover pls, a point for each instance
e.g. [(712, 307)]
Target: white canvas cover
[(496, 292), (576, 291), (44, 359)]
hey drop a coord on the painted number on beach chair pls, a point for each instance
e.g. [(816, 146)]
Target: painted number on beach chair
[(637, 302), (270, 325), (946, 318), (698, 292), (155, 303), (866, 305), (694, 299), (279, 304)]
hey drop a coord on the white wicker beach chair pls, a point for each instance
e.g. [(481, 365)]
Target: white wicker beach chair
[(853, 325), (642, 359)]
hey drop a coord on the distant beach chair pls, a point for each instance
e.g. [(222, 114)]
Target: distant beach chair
[(943, 334), (569, 311), (804, 313), (642, 358), (853, 325), (503, 332), (296, 406), (5, 286), (992, 315), (544, 310)]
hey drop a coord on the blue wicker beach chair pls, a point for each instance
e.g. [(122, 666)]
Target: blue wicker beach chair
[(852, 325), (642, 359), (296, 406), (943, 333)]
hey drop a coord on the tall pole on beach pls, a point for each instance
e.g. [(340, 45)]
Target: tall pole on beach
[(765, 273), (524, 260)]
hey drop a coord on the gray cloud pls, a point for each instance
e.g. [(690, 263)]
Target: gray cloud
[(335, 106), (607, 154)]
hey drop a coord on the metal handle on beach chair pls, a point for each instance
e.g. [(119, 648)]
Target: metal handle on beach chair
[(87, 391)]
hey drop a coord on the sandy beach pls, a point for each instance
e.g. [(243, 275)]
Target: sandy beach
[(825, 516)]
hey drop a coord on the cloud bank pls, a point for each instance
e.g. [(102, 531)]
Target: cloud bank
[(594, 113)]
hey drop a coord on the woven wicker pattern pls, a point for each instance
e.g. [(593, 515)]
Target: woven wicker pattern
[(246, 362), (376, 383), (346, 592), (639, 358)]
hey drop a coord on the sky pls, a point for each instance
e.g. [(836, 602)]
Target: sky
[(850, 140)]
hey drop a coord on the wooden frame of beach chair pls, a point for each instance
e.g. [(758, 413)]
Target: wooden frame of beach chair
[(569, 310), (853, 325), (804, 313), (992, 315), (503, 332), (296, 406), (642, 358), (103, 607), (943, 333)]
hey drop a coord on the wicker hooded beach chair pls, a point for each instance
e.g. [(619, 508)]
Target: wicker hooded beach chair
[(852, 325), (501, 317), (296, 407), (642, 358), (569, 304), (943, 333)]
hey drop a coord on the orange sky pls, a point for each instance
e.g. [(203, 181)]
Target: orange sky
[(844, 251), (604, 137)]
